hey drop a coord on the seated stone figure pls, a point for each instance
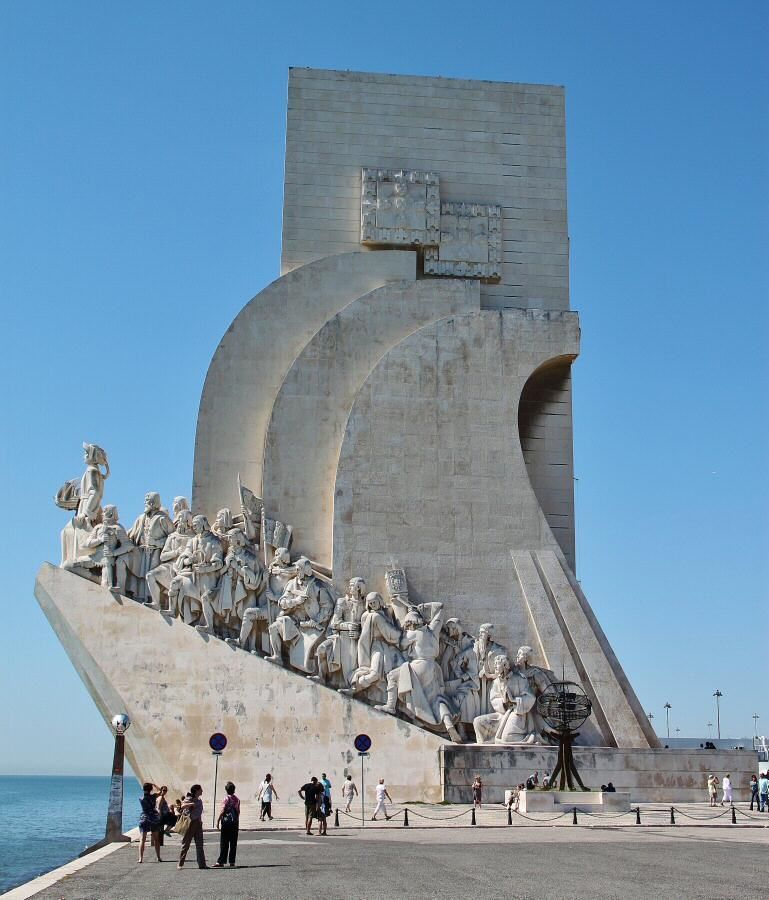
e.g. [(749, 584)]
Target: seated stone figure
[(378, 651), (338, 654), (159, 578), (305, 608), (522, 724), (109, 549), (418, 682), (513, 697), (243, 579)]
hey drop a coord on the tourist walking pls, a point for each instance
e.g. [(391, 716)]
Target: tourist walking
[(323, 812), (228, 823), (477, 792), (267, 792), (754, 792), (192, 806), (381, 796), (310, 793), (349, 792), (713, 789), (726, 784), (149, 821), (326, 788), (167, 818), (763, 792)]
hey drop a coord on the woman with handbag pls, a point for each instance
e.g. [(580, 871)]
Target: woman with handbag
[(190, 826), (229, 824), (149, 821)]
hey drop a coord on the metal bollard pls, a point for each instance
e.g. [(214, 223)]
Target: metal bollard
[(574, 816), (638, 815), (509, 815), (405, 818), (336, 818), (734, 816), (472, 820), (672, 816)]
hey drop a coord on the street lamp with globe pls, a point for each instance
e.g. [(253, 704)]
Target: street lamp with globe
[(113, 832)]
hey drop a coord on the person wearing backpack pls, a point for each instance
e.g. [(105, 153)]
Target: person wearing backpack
[(228, 823)]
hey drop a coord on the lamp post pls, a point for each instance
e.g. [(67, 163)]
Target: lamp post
[(756, 717), (114, 829), (668, 707), (718, 695), (678, 731), (650, 716), (710, 729)]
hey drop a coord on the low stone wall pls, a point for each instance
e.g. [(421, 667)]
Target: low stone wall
[(651, 776)]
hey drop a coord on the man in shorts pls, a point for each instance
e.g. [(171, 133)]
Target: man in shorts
[(310, 793)]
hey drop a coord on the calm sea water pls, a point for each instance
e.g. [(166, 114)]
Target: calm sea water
[(45, 821)]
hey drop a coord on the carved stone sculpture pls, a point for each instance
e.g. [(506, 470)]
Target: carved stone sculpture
[(207, 559), (459, 664), (243, 579), (109, 548), (85, 498), (378, 650), (339, 652), (418, 682), (513, 698), (305, 608), (179, 504), (486, 725), (486, 651), (159, 579), (149, 533)]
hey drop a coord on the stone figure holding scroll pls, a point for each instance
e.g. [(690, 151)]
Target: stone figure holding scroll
[(339, 652), (149, 533)]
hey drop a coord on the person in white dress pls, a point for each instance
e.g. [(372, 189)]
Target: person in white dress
[(267, 794), (381, 796), (726, 784)]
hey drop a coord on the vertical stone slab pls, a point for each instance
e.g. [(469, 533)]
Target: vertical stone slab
[(310, 413)]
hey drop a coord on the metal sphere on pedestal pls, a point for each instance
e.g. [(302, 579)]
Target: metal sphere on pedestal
[(564, 706), (121, 723)]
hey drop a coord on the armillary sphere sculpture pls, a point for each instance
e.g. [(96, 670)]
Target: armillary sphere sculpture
[(565, 707)]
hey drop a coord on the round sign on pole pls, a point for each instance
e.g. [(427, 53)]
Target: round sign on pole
[(217, 742), (362, 743)]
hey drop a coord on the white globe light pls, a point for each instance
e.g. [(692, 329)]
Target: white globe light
[(121, 723)]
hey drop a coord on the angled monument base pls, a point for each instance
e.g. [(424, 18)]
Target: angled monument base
[(179, 687), (648, 775)]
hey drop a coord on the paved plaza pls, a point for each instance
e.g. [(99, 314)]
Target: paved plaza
[(442, 855), (389, 863)]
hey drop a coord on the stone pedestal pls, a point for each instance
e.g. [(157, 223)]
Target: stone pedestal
[(560, 801)]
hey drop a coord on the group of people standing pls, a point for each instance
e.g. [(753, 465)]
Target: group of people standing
[(185, 817)]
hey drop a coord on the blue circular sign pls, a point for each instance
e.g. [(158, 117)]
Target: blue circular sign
[(217, 742), (362, 743)]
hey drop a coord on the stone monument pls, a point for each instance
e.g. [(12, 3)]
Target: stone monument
[(384, 448)]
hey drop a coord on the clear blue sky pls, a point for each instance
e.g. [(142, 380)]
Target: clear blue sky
[(140, 203)]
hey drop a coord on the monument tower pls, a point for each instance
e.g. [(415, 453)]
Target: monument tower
[(384, 448)]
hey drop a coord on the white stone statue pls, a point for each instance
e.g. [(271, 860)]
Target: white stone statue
[(179, 504), (305, 608), (513, 698), (418, 682), (486, 652), (378, 647), (243, 579), (338, 654), (459, 664), (205, 550), (149, 533), (486, 725), (109, 549), (85, 499), (159, 579), (223, 524)]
